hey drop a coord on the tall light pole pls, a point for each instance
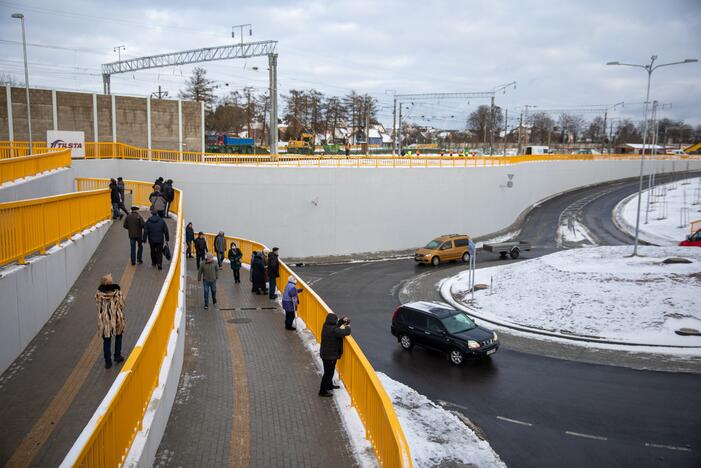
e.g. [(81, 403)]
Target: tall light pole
[(20, 17), (119, 50), (649, 68)]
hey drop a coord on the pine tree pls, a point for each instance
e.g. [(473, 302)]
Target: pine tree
[(199, 88)]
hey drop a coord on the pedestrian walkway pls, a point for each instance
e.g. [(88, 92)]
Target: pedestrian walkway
[(247, 394), (53, 388)]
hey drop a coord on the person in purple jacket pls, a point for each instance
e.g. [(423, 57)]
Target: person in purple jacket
[(290, 301)]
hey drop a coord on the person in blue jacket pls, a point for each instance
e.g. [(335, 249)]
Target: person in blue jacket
[(290, 301)]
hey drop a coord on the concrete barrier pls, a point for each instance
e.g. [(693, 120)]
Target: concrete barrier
[(47, 184), (310, 211), (29, 299)]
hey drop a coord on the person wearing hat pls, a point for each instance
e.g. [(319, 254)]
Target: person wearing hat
[(290, 300), (208, 274), (110, 318), (273, 272), (134, 224)]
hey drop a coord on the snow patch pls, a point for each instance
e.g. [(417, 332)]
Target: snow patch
[(436, 436), (574, 232), (597, 292)]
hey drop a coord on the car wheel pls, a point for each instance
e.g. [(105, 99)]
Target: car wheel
[(466, 257), (515, 252), (406, 342), (456, 357), (435, 261)]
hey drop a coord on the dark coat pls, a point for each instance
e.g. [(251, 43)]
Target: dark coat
[(273, 265), (201, 246), (134, 223), (332, 338), (115, 196), (258, 272), (189, 234), (156, 230), (167, 191), (234, 256)]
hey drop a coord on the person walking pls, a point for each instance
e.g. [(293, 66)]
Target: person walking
[(258, 271), (120, 187), (134, 224), (235, 256), (168, 195), (115, 199), (189, 238), (290, 301), (331, 349), (200, 248), (156, 232), (208, 272), (273, 272), (220, 248), (110, 318), (158, 202), (348, 148)]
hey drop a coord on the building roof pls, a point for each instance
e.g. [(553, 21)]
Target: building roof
[(640, 146)]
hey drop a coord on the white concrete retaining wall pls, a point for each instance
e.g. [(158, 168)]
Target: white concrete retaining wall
[(50, 183), (330, 211), (31, 293)]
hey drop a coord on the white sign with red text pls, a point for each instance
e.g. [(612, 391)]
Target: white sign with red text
[(75, 141)]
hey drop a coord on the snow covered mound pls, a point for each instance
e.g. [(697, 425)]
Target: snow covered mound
[(598, 292), (437, 437), (672, 207)]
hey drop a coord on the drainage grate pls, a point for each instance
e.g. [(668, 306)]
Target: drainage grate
[(239, 320)]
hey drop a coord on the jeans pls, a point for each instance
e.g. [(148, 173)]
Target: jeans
[(156, 254), (220, 258), (136, 253), (271, 288), (327, 379), (115, 210), (237, 275), (200, 257), (210, 286), (189, 248), (107, 347), (167, 210), (289, 319)]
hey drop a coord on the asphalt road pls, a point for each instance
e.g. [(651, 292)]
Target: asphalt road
[(535, 411)]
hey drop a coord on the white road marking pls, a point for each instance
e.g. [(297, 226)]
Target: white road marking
[(669, 447), (515, 421), (586, 436)]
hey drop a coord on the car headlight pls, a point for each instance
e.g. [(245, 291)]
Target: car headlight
[(473, 344), (496, 338)]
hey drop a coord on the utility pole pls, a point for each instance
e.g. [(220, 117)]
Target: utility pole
[(603, 138), (394, 127), (399, 131), (520, 130), (159, 94), (119, 50), (367, 125), (491, 128), (506, 127)]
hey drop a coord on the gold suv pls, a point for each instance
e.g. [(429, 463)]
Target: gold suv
[(444, 248)]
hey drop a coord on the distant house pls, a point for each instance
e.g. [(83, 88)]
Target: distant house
[(636, 148)]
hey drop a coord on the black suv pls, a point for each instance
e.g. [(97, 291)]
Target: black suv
[(439, 326)]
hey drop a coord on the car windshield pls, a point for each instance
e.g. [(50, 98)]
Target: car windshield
[(458, 323), (434, 244)]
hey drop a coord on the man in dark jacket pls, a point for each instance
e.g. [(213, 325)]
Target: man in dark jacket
[(273, 272), (156, 231), (331, 349), (200, 248), (258, 272), (168, 194), (134, 224), (115, 199)]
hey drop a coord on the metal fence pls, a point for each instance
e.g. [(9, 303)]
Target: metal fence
[(20, 165), (33, 226)]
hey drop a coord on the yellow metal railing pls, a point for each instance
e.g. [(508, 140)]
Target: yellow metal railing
[(111, 437), (15, 149), (109, 150), (367, 393), (33, 226), (13, 168)]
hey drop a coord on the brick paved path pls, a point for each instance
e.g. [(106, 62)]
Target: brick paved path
[(247, 395), (52, 389)]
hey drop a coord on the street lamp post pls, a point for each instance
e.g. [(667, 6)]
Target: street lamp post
[(651, 67), (20, 17)]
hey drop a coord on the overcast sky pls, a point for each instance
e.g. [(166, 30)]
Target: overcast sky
[(555, 50)]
